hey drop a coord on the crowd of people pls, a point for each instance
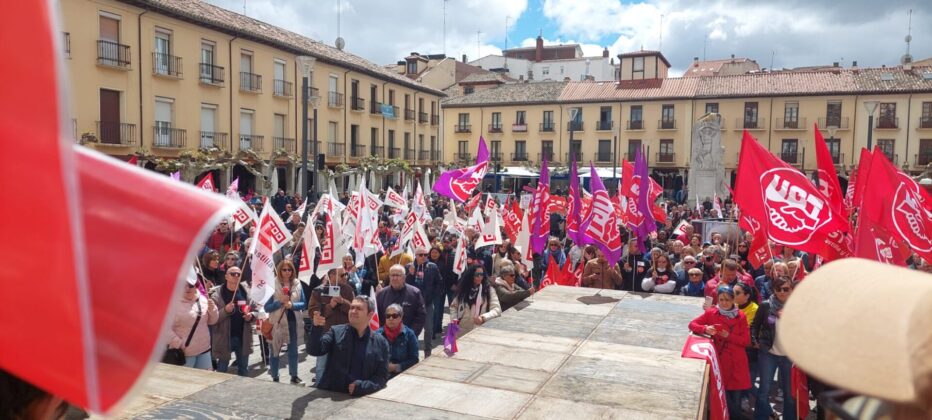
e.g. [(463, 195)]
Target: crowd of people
[(413, 288)]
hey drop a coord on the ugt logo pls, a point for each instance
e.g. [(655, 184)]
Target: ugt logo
[(909, 218), (795, 210)]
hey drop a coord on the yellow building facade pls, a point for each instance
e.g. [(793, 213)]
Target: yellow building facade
[(162, 79)]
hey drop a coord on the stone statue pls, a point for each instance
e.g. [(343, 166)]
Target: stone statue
[(707, 172)]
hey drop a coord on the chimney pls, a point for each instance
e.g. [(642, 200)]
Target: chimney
[(464, 58), (854, 64), (605, 53), (732, 58), (539, 51), (834, 64), (695, 61)]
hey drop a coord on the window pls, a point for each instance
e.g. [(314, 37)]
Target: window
[(638, 65), (520, 118), (334, 98), (392, 151), (374, 94), (462, 148), (634, 146), (545, 71), (750, 115), (833, 114), (711, 108), (162, 57), (496, 150), (354, 90), (665, 154), (667, 118), (834, 149), (246, 139), (248, 81), (354, 138), (791, 115), (391, 97), (605, 151), (412, 67), (576, 121), (109, 50), (561, 70), (282, 87), (332, 131), (463, 118), (111, 129), (636, 122), (496, 122), (279, 128), (374, 141), (407, 146), (575, 150), (788, 150), (546, 148), (208, 70), (605, 118), (468, 89), (925, 120), (209, 126), (925, 152), (433, 144), (887, 115), (886, 146), (548, 118), (163, 121), (520, 150)]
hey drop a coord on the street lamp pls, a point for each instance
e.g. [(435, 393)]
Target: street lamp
[(870, 107), (306, 65)]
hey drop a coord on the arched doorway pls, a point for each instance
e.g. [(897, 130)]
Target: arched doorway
[(247, 180)]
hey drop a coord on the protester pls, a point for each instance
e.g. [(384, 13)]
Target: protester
[(406, 295), (771, 357), (194, 312), (334, 307), (509, 293), (728, 276), (445, 265), (633, 268), (662, 278), (554, 249), (749, 307), (599, 274), (286, 313), (402, 341), (695, 287), (386, 262), (352, 274), (474, 304), (361, 368), (425, 275), (232, 335), (211, 273), (727, 325)]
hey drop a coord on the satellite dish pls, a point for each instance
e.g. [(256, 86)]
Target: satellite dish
[(340, 43)]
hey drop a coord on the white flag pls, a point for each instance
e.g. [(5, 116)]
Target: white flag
[(419, 240), (333, 249), (393, 199), (302, 208), (233, 190), (459, 259), (243, 215), (477, 308), (476, 221), (490, 234), (717, 205), (263, 265), (523, 242), (272, 228)]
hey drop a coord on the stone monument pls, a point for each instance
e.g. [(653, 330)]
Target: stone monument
[(706, 170)]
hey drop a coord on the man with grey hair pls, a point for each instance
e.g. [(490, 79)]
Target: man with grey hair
[(406, 295), (402, 342)]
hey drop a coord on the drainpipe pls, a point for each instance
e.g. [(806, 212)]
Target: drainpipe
[(142, 130), (230, 90)]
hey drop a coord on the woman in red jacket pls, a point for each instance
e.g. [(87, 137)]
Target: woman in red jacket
[(728, 327)]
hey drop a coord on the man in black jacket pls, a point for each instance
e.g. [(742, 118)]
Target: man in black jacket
[(425, 275), (406, 295), (357, 361)]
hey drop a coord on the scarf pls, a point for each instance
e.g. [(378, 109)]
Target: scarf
[(775, 305), (471, 297), (391, 334), (730, 313)]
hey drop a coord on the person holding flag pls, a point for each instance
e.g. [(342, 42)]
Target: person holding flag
[(475, 302), (286, 311)]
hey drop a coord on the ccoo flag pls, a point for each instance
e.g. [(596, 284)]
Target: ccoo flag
[(458, 184)]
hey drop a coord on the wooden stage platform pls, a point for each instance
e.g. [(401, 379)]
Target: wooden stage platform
[(567, 354)]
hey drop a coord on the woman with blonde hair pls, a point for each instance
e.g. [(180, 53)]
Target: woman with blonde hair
[(286, 311)]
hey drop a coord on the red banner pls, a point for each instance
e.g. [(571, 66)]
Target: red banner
[(697, 347)]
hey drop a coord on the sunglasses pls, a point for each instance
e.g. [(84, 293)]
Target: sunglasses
[(287, 269), (689, 262), (696, 275), (234, 274), (392, 316), (421, 255)]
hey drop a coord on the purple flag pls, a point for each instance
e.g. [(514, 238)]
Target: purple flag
[(647, 225), (449, 342), (459, 184), (540, 220), (601, 224), (574, 204)]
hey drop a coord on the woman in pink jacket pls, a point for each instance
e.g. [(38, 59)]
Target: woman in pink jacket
[(195, 311), (728, 327)]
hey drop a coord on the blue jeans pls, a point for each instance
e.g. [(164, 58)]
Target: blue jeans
[(242, 360), (201, 361), (438, 312), (292, 355), (769, 364)]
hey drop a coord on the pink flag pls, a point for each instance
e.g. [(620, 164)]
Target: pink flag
[(458, 184), (233, 190), (539, 211), (601, 224)]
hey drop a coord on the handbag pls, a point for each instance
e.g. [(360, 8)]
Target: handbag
[(266, 327), (176, 356)]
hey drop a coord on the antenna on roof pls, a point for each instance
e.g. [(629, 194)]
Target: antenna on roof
[(773, 53), (705, 44), (340, 43), (244, 7), (477, 43), (506, 39), (909, 37), (445, 27), (660, 47)]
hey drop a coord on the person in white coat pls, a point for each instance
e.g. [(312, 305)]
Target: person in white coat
[(475, 302), (662, 277)]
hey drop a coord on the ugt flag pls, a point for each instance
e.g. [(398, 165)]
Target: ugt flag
[(601, 224), (458, 184)]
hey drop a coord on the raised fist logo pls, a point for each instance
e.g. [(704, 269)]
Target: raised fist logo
[(909, 218), (795, 210)]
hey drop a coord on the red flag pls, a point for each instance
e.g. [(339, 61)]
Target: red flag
[(660, 215), (791, 210), (557, 205), (799, 386), (374, 319), (207, 183), (828, 178), (759, 251), (697, 347), (101, 341), (875, 243), (512, 216), (864, 167), (567, 275), (552, 276), (629, 188), (472, 203), (133, 160)]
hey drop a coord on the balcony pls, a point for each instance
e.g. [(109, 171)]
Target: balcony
[(603, 157), (495, 128), (284, 143), (166, 65), (519, 157), (434, 119), (840, 123), (250, 82), (282, 88), (251, 142), (519, 128), (167, 137), (435, 155), (424, 156), (547, 154), (335, 99), (357, 150), (394, 153), (665, 158), (574, 126), (113, 54), (375, 108), (603, 125), (634, 125), (377, 150), (574, 156), (546, 127), (887, 123), (791, 124), (462, 157), (666, 125), (211, 74), (116, 133), (791, 158), (409, 115), (409, 154), (312, 92), (462, 128), (422, 117), (495, 156), (358, 104), (925, 122), (335, 150), (395, 112), (749, 124), (923, 158), (212, 139), (838, 159)]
